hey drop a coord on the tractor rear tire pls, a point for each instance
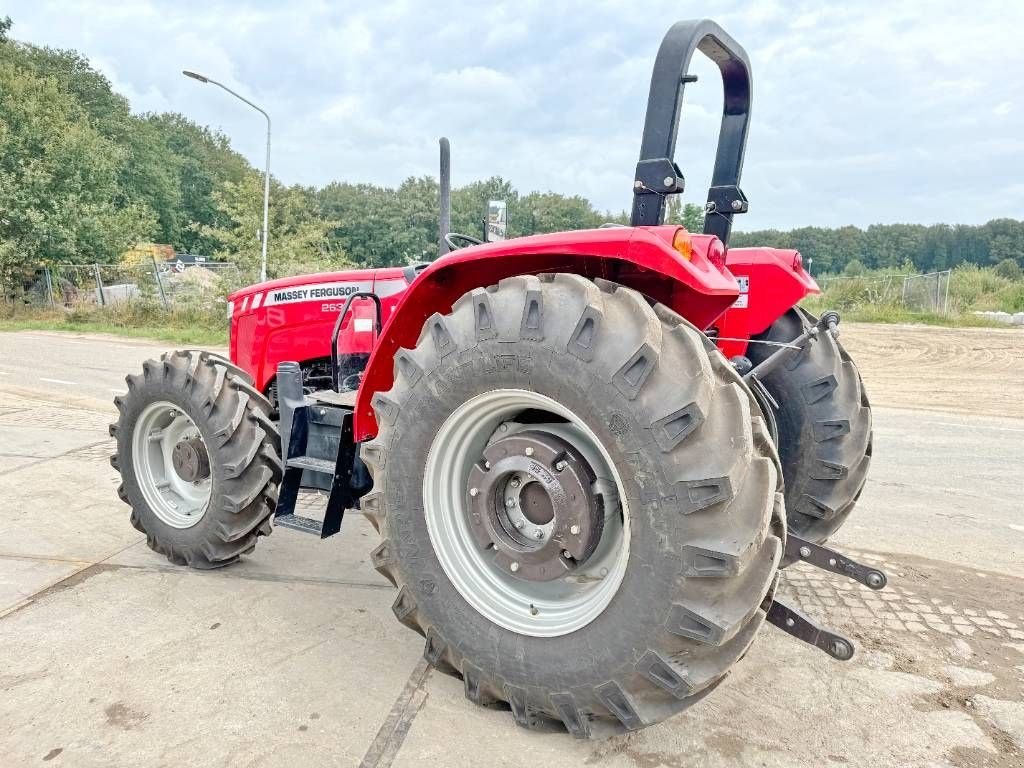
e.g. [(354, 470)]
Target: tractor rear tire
[(824, 427), (206, 408), (691, 556)]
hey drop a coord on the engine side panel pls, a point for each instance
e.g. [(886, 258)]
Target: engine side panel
[(293, 318), (639, 257), (771, 280)]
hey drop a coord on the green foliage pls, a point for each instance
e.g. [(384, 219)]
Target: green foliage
[(84, 180), (878, 295), (888, 246), (298, 236), (1009, 269), (853, 268)]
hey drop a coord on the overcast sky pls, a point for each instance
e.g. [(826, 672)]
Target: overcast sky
[(862, 112)]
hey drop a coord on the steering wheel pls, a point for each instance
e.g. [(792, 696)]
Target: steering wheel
[(467, 240)]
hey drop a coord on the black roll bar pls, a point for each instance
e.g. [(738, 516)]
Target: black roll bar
[(657, 175)]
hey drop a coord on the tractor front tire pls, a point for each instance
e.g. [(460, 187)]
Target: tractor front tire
[(199, 458), (542, 383), (824, 427)]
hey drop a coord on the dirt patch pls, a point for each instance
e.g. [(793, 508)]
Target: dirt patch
[(965, 370)]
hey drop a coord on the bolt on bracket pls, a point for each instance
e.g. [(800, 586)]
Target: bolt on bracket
[(834, 562)]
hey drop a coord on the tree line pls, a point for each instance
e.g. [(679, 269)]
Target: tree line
[(83, 180)]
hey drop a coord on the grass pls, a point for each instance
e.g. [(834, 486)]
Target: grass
[(878, 297), (893, 314), (184, 325)]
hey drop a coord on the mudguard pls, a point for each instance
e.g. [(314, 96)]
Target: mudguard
[(771, 281), (698, 287)]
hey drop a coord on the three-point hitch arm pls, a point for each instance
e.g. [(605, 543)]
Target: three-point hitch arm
[(657, 175)]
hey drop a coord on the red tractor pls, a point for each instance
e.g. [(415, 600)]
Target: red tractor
[(588, 454)]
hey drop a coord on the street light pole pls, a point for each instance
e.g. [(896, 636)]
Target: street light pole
[(266, 173)]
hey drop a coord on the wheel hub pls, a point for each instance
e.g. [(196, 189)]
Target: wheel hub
[(531, 501), (190, 460)]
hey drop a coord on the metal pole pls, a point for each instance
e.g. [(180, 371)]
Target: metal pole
[(266, 173), (446, 196), (99, 285), (159, 284), (266, 206), (945, 304), (49, 287)]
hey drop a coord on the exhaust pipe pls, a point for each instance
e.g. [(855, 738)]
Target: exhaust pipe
[(445, 225)]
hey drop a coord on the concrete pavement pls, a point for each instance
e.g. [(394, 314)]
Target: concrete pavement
[(110, 656)]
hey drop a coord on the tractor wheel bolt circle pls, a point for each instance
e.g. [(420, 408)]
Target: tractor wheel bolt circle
[(522, 504)]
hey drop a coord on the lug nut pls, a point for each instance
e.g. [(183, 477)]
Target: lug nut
[(805, 551), (737, 204), (528, 451), (538, 534), (574, 530), (566, 555), (514, 567), (487, 465), (560, 465), (510, 503), (518, 524), (474, 491), (669, 181), (515, 482)]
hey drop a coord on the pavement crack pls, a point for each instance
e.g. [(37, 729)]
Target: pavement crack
[(392, 733)]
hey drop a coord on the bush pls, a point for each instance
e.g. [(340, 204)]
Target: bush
[(1009, 269)]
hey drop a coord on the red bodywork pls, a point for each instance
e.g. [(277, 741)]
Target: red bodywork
[(292, 319)]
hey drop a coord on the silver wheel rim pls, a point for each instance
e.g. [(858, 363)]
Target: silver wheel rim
[(539, 609), (176, 501)]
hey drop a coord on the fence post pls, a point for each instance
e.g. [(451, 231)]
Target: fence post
[(49, 287), (159, 284), (99, 285)]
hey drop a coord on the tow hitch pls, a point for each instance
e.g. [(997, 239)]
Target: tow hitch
[(793, 622)]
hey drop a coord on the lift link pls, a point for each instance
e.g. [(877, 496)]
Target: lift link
[(830, 560), (827, 323), (792, 622)]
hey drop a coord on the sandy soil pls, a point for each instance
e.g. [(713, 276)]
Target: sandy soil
[(967, 370)]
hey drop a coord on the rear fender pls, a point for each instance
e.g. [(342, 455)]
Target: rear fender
[(639, 257), (771, 280)]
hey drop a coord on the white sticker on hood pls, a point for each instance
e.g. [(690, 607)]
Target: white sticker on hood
[(316, 291)]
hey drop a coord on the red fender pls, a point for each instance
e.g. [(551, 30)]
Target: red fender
[(771, 281), (699, 288)]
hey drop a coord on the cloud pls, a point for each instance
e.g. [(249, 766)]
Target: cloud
[(862, 112)]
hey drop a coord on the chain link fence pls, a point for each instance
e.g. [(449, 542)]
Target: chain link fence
[(75, 286), (927, 292)]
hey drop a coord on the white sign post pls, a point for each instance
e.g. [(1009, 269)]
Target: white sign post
[(497, 220)]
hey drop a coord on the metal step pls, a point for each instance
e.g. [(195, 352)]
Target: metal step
[(338, 399), (299, 523), (314, 465)]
